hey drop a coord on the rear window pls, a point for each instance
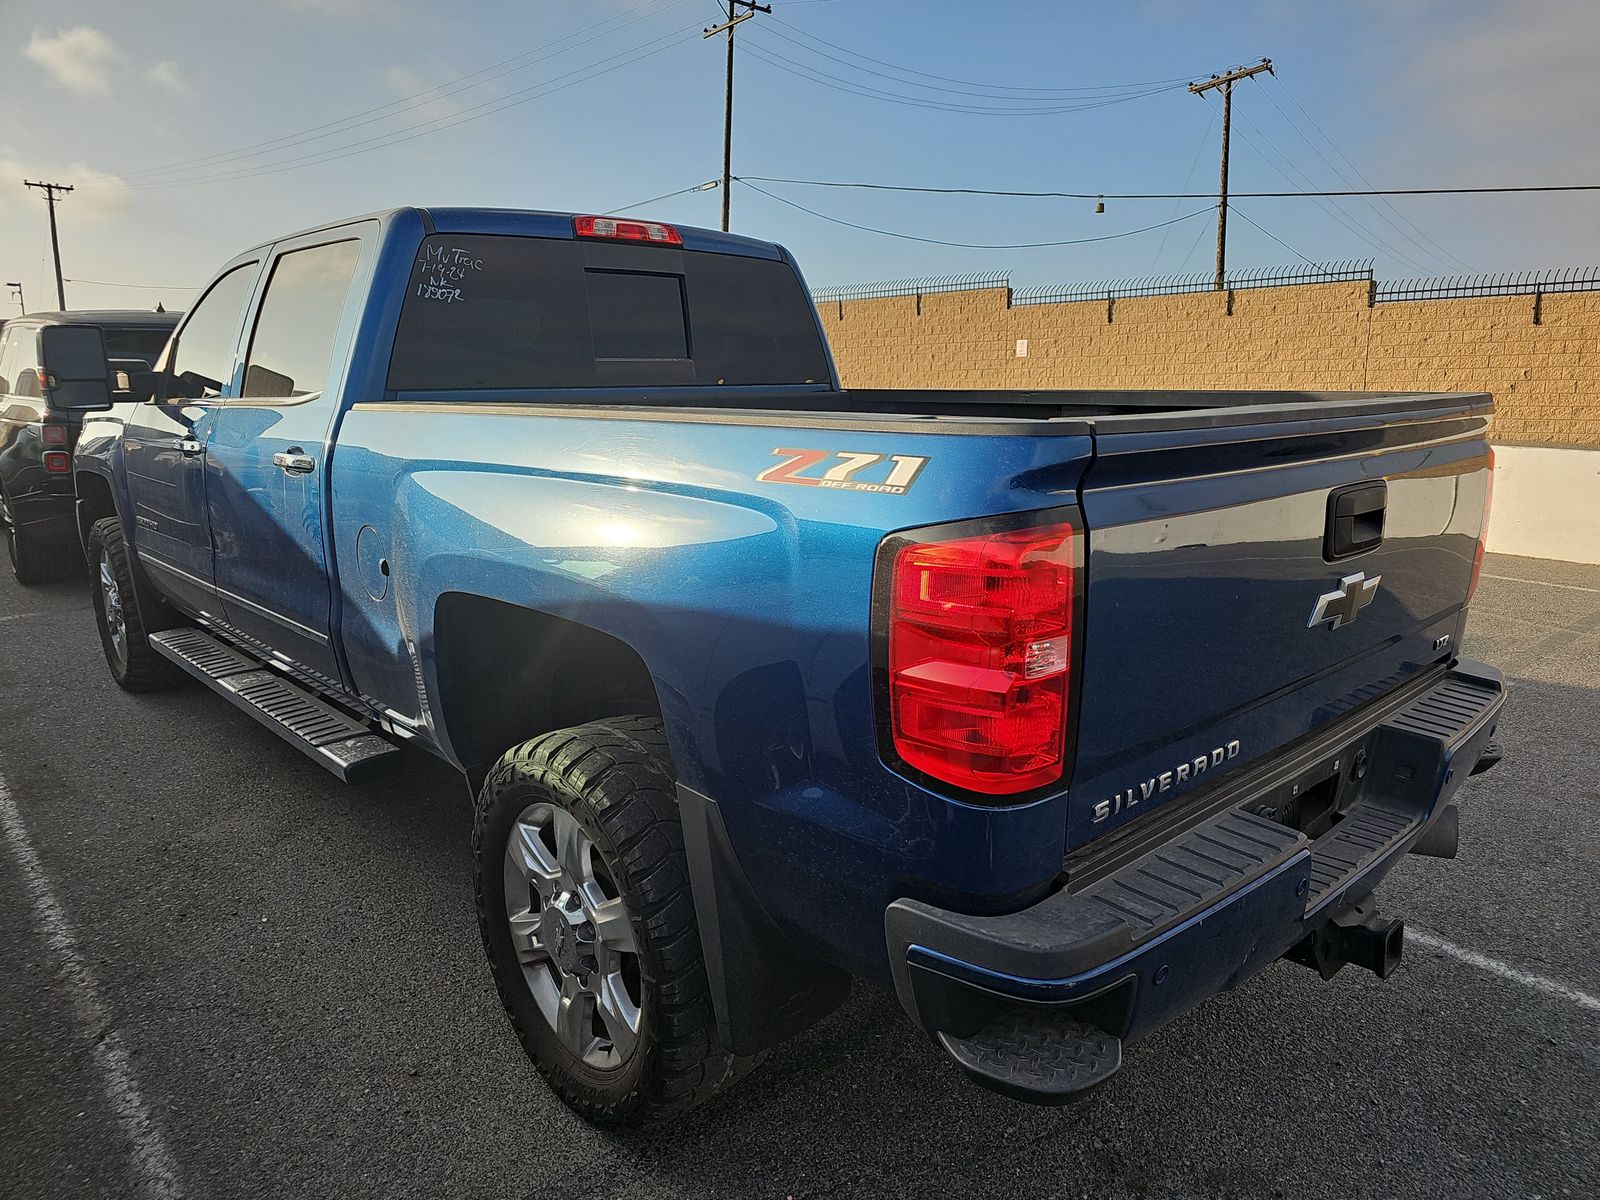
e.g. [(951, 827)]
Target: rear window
[(490, 311)]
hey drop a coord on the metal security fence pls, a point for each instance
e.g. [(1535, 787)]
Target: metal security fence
[(913, 287), (1352, 271), (1502, 283), (1537, 284)]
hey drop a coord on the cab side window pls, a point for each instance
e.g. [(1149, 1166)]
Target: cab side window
[(202, 358), (292, 347)]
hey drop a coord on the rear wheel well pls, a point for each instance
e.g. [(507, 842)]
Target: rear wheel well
[(507, 674)]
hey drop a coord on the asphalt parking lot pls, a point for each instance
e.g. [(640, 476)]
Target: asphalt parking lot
[(223, 973)]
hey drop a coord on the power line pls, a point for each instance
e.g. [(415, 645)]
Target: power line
[(1289, 92), (1436, 253), (965, 245), (940, 87), (1295, 175), (180, 287), (710, 186), (153, 287), (1193, 163), (476, 112), (1296, 195), (427, 96), (1246, 218), (973, 83), (816, 75)]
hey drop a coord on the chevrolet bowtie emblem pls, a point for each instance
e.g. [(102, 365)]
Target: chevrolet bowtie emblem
[(1344, 604)]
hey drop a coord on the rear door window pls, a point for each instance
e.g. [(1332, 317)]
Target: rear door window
[(292, 347), (494, 311)]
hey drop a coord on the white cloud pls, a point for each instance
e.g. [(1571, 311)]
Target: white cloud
[(96, 194), (168, 75), (80, 58)]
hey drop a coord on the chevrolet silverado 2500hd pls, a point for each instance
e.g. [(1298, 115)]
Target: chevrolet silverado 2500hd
[(1055, 712)]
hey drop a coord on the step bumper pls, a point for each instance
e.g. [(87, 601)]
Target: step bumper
[(1200, 912)]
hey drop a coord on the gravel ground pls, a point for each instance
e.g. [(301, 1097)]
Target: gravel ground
[(275, 983)]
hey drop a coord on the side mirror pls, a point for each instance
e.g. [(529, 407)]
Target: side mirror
[(76, 377)]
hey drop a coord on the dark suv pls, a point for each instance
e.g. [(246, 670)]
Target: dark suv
[(37, 440)]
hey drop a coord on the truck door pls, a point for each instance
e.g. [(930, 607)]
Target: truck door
[(268, 453), (164, 443)]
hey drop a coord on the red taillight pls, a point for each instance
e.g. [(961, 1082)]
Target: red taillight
[(57, 462), (980, 657), (627, 231), (1483, 531), (55, 435)]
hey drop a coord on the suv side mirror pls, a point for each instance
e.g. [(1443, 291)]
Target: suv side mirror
[(76, 377)]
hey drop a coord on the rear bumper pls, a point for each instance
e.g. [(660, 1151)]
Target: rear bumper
[(1219, 897)]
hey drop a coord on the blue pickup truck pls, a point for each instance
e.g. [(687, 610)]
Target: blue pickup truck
[(1056, 712)]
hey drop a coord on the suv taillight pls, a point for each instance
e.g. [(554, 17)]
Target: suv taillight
[(980, 654), (1483, 531)]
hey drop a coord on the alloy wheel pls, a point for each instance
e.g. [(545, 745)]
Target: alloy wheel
[(116, 622), (573, 936)]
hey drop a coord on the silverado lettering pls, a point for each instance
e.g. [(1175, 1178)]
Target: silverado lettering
[(1184, 772)]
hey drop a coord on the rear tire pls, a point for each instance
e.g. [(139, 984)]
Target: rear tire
[(128, 614), (610, 917), (34, 560)]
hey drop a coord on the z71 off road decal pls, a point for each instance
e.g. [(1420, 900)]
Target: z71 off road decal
[(844, 468)]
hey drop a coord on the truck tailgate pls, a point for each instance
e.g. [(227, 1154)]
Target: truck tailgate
[(1230, 607)]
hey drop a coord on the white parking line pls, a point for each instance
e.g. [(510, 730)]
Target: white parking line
[(19, 616), (157, 1176), (1567, 587), (1494, 966)]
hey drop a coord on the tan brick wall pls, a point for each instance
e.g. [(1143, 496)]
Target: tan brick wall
[(1545, 378)]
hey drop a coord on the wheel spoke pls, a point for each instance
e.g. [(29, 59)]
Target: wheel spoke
[(618, 1013), (612, 928), (533, 860), (575, 1016), (572, 848), (525, 938)]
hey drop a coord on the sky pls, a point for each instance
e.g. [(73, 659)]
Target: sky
[(192, 129)]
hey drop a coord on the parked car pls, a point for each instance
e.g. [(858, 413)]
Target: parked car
[(37, 438), (1055, 712)]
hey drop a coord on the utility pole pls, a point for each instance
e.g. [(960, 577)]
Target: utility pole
[(727, 116), (50, 190), (16, 290), (1226, 82)]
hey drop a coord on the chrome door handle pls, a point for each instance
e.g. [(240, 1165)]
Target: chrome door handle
[(294, 462), (189, 446)]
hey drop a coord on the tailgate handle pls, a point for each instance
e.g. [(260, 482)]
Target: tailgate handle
[(1355, 519)]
